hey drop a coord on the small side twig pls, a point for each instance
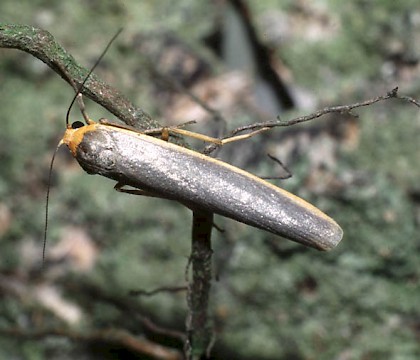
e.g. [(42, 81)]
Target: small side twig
[(167, 289), (288, 173), (342, 109), (408, 99)]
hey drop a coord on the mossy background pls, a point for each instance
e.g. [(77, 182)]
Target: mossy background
[(273, 299)]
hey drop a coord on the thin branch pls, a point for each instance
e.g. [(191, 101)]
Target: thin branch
[(199, 328), (409, 100), (393, 94), (41, 44), (167, 289), (135, 344), (288, 174)]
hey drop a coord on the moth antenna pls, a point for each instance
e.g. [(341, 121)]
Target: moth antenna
[(79, 89), (79, 97), (47, 200)]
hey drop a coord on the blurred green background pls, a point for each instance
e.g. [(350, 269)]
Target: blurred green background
[(272, 299)]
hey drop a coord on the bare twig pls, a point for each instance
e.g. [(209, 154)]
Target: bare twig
[(342, 109), (408, 99), (288, 173), (167, 289), (41, 44), (393, 94), (199, 328)]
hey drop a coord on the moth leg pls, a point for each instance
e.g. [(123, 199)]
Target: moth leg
[(120, 188), (79, 96), (195, 135), (82, 107), (216, 140), (104, 121), (244, 136), (162, 131), (165, 131)]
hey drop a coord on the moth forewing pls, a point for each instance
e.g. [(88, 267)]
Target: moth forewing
[(199, 182)]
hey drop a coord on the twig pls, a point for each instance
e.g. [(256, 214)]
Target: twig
[(288, 173), (393, 94), (168, 289), (409, 100), (41, 44), (199, 329)]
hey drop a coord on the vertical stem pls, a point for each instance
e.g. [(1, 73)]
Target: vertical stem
[(198, 326)]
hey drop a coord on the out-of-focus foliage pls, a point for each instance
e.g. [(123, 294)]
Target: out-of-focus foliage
[(273, 299)]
